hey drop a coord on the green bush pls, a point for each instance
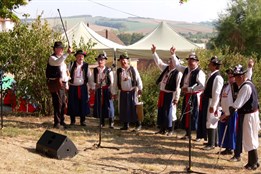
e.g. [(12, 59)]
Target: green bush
[(150, 94)]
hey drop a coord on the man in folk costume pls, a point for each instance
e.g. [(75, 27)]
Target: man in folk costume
[(57, 69), (104, 89), (228, 96), (169, 82), (192, 84), (210, 101), (78, 90), (246, 104), (128, 79)]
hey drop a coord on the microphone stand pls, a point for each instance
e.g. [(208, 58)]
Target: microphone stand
[(96, 146), (189, 170), (190, 103)]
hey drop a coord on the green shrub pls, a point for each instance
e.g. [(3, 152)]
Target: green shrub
[(150, 94)]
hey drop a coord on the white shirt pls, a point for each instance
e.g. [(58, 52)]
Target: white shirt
[(226, 99), (201, 77), (79, 76), (59, 61), (125, 78), (216, 90), (101, 78), (162, 67)]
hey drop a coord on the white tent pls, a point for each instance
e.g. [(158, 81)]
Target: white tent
[(82, 31), (163, 37)]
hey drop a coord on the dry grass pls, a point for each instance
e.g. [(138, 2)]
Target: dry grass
[(138, 153)]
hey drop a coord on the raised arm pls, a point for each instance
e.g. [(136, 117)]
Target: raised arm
[(175, 60), (157, 59)]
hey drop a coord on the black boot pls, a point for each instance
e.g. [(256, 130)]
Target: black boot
[(250, 163), (216, 137), (211, 140), (255, 159), (138, 126), (173, 126), (171, 129), (125, 126), (252, 160), (111, 123)]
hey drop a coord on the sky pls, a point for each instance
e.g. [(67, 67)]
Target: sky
[(192, 11)]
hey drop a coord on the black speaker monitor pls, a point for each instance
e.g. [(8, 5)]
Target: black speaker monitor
[(55, 145)]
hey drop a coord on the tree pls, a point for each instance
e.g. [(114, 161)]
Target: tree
[(7, 7), (239, 28), (129, 39)]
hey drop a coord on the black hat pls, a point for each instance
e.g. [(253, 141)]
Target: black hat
[(58, 44), (239, 70), (215, 60), (193, 56), (229, 71), (80, 52), (123, 56), (101, 56)]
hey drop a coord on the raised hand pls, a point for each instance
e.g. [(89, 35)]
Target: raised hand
[(172, 50), (153, 49), (251, 63)]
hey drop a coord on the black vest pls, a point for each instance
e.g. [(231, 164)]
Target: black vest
[(252, 104), (209, 85), (53, 71), (106, 71), (84, 69), (171, 81), (132, 74), (193, 77)]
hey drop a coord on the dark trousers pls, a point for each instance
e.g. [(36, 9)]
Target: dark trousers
[(58, 106), (238, 149)]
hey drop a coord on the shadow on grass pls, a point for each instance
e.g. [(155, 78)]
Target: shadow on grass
[(143, 142)]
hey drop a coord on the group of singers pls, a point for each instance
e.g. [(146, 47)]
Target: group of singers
[(222, 114)]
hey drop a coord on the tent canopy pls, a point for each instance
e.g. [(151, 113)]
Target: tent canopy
[(163, 37), (82, 31)]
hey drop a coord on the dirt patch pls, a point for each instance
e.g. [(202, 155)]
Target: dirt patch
[(139, 152)]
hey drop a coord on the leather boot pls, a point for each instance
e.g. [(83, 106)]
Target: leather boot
[(211, 140), (125, 126), (173, 126), (254, 159), (248, 161), (138, 126)]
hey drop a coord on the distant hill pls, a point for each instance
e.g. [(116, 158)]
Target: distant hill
[(132, 24)]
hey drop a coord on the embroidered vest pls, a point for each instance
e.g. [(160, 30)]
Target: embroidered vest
[(252, 104), (193, 77), (106, 71), (132, 74), (209, 85), (84, 69), (171, 81), (53, 71)]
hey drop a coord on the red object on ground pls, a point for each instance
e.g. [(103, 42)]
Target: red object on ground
[(91, 99), (23, 106), (10, 99)]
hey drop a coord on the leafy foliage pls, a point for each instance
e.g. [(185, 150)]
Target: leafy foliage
[(29, 47), (129, 39), (7, 7), (150, 94), (239, 28)]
